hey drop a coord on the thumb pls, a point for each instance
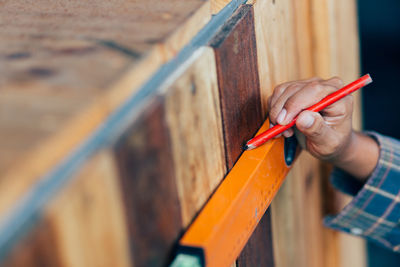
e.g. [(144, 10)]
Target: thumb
[(313, 126)]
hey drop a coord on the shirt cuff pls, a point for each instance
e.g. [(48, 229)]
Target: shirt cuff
[(374, 212)]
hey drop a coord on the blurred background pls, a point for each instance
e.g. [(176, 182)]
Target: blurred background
[(379, 23)]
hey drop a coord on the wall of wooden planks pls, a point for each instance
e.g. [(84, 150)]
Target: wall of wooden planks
[(132, 197)]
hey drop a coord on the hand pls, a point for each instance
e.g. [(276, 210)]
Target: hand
[(329, 134)]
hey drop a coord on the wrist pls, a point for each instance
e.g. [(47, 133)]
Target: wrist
[(359, 157)]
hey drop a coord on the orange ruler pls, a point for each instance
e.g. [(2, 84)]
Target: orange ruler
[(223, 227)]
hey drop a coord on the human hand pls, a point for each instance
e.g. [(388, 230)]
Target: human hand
[(329, 132)]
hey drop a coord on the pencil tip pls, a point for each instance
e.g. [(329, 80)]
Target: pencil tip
[(248, 147)]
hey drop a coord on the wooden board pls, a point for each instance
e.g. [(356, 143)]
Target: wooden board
[(166, 170), (276, 44), (194, 121), (258, 250), (36, 249), (83, 226), (336, 35), (146, 169), (236, 57), (64, 67)]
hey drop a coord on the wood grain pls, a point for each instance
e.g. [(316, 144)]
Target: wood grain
[(236, 58), (84, 225), (36, 249), (336, 35), (146, 168), (64, 67), (276, 44), (258, 250), (194, 121), (88, 217), (217, 5)]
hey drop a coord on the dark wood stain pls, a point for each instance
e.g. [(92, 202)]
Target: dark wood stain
[(258, 250), (144, 160), (37, 249), (236, 58), (238, 81)]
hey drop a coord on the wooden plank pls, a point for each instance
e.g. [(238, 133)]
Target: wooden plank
[(236, 56), (73, 62), (217, 5), (336, 54), (276, 44), (194, 121), (285, 49), (258, 251), (83, 226), (231, 215), (36, 249), (146, 168), (88, 217)]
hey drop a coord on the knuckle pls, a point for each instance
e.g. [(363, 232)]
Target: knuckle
[(291, 104), (279, 89), (337, 80), (315, 86)]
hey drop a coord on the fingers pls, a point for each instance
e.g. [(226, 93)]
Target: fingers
[(317, 132), (340, 109), (291, 98), (280, 89), (310, 94)]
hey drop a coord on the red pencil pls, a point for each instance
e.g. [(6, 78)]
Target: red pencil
[(328, 100)]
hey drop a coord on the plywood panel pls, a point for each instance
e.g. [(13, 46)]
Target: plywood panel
[(146, 168), (194, 121)]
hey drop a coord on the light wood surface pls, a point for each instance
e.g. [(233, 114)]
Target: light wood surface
[(193, 115), (66, 66)]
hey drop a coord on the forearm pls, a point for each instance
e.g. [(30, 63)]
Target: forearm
[(360, 156)]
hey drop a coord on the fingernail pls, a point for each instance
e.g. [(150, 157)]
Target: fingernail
[(281, 116), (306, 121)]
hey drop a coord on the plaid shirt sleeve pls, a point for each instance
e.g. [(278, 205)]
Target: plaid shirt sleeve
[(374, 212)]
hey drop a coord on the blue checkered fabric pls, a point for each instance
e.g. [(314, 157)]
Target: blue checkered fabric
[(374, 212)]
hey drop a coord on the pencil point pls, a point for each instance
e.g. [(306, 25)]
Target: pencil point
[(248, 147)]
